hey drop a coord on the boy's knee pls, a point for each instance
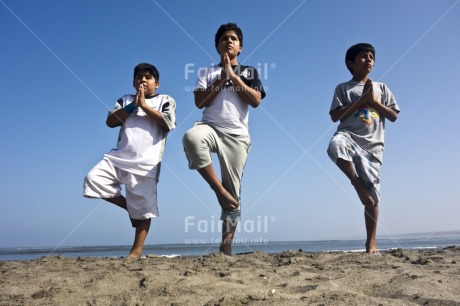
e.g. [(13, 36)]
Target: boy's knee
[(338, 148), (332, 151), (89, 186), (191, 139), (89, 178), (335, 144)]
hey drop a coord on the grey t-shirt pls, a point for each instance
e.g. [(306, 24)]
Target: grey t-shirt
[(365, 125)]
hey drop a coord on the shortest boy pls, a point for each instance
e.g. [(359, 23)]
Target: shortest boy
[(357, 147), (145, 119)]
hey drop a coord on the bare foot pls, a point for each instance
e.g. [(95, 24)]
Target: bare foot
[(226, 200), (371, 247), (373, 251), (363, 194), (226, 249), (131, 257)]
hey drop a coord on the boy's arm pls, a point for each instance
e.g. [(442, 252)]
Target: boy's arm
[(204, 97), (383, 110), (155, 115), (345, 111), (117, 117), (247, 94)]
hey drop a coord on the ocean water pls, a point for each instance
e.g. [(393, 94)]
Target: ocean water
[(197, 249)]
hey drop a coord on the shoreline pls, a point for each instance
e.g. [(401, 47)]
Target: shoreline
[(396, 277), (273, 247)]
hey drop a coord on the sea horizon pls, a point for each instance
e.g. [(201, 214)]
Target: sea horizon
[(431, 240)]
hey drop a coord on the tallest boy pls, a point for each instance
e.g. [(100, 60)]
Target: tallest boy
[(225, 91)]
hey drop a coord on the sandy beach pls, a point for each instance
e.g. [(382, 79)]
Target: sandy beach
[(397, 277)]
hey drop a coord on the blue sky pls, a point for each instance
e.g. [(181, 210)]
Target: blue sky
[(64, 64)]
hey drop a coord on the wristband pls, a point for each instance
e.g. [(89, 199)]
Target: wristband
[(130, 108)]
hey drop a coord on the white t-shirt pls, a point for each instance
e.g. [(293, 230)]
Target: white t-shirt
[(228, 112), (141, 141)]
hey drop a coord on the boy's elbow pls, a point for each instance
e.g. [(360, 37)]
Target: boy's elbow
[(255, 100), (199, 104), (255, 104), (111, 123), (334, 117), (394, 117), (166, 127), (199, 98)]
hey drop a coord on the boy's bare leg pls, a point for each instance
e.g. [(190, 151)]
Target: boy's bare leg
[(348, 168), (371, 215), (226, 200), (228, 232), (120, 201), (141, 233)]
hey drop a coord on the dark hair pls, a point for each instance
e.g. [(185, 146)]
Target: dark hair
[(149, 68), (229, 27), (354, 50)]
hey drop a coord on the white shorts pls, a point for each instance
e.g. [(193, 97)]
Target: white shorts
[(366, 165), (105, 180)]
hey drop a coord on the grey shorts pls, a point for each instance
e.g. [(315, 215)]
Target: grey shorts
[(232, 151), (366, 165)]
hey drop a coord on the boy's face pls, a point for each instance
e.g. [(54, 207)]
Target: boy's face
[(230, 44), (145, 79), (363, 63)]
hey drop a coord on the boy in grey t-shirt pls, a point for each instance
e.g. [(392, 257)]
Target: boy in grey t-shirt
[(357, 147)]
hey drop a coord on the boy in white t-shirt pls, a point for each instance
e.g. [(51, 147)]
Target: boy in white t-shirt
[(225, 91), (357, 147), (145, 120)]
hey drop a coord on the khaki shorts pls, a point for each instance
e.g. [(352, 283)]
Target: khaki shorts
[(105, 180), (232, 151)]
